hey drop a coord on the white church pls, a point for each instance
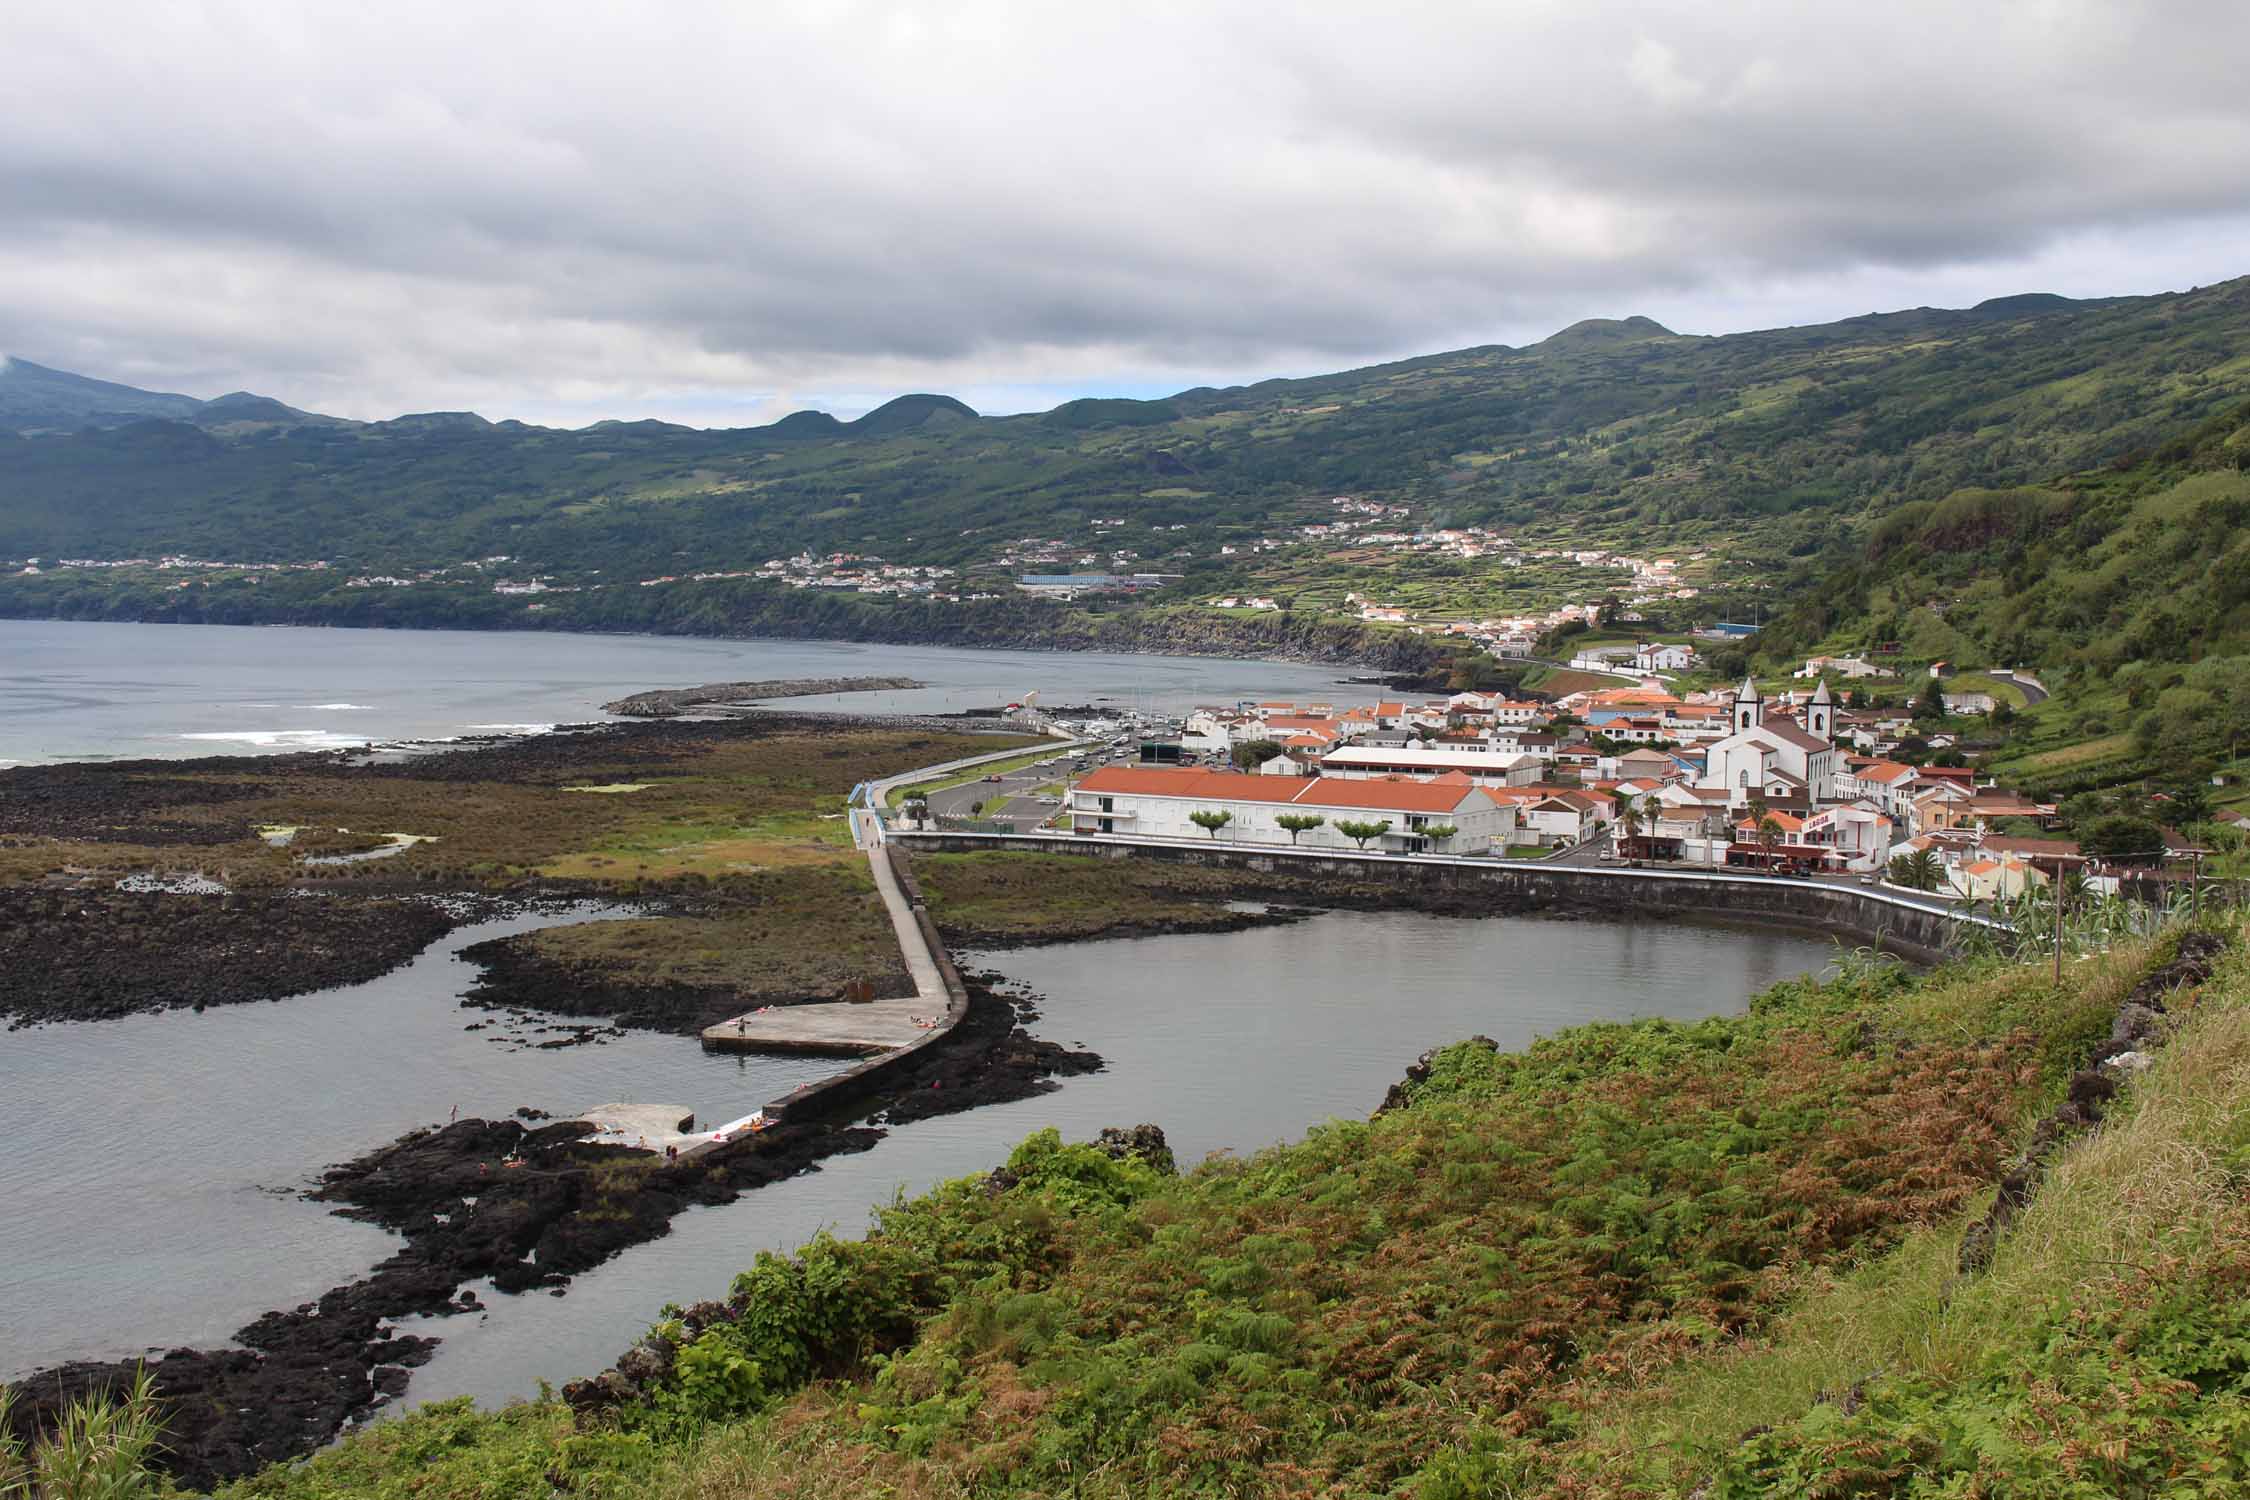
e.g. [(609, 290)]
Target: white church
[(1776, 761)]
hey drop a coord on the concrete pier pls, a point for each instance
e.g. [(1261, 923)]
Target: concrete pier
[(852, 1028), (831, 1029)]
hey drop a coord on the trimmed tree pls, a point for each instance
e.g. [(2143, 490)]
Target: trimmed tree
[(1438, 833), (1297, 823), (1361, 832), (1210, 821)]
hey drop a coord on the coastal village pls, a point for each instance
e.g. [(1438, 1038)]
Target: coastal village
[(1800, 782)]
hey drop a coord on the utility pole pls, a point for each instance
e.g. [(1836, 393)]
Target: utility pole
[(2060, 865)]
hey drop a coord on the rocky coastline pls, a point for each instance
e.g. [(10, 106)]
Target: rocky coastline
[(94, 955), (1279, 637), (525, 1205), (664, 703)]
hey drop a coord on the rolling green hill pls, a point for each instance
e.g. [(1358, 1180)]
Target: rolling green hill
[(1802, 434), (2127, 586)]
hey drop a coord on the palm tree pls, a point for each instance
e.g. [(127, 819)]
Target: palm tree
[(1769, 834), (1919, 871)]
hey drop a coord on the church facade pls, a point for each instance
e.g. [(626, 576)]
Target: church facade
[(1775, 760)]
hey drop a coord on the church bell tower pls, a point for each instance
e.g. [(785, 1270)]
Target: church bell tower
[(1820, 714), (1749, 713)]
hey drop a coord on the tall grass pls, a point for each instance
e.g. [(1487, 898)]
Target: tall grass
[(101, 1450)]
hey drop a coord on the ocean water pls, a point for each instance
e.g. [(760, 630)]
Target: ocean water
[(85, 691)]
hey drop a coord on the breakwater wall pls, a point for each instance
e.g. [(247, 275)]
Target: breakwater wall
[(856, 1082), (1922, 931)]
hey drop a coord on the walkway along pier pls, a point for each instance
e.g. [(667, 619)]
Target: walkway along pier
[(885, 1033), (1916, 929)]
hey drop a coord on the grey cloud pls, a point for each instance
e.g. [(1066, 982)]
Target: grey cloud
[(542, 207)]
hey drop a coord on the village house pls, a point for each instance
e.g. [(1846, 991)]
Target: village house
[(1562, 815), (1650, 657)]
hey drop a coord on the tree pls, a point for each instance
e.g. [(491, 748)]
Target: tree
[(1361, 832), (1297, 823), (1919, 871), (1210, 821), (2226, 679), (1629, 818), (2123, 838), (1769, 836), (1255, 753), (1438, 833), (2191, 800)]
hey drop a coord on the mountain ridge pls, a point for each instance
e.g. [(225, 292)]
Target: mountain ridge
[(1802, 436)]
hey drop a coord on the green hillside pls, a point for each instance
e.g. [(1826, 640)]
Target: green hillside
[(1798, 434), (2127, 587)]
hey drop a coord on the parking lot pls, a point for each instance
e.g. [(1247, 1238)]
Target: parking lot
[(1022, 801)]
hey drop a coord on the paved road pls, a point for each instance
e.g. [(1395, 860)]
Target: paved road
[(2033, 693), (1022, 809)]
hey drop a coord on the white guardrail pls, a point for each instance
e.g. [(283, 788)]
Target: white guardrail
[(869, 802)]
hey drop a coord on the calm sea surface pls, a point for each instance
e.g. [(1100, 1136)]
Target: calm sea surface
[(156, 1199), (82, 691)]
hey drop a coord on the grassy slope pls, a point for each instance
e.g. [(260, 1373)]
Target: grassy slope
[(2127, 587), (1586, 1270)]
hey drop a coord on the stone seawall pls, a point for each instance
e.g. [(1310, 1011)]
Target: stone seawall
[(857, 1082), (1910, 929)]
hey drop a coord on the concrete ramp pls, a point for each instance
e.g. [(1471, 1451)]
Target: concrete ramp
[(647, 1127)]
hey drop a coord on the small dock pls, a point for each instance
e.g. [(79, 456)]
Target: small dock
[(840, 1028)]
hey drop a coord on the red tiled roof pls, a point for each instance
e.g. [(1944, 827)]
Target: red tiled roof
[(1385, 795), (1382, 794), (1164, 781)]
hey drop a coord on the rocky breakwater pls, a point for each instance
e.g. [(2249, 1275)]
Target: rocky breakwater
[(526, 1206), (664, 703)]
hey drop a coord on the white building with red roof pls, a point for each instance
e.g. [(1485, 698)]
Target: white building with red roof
[(1160, 802)]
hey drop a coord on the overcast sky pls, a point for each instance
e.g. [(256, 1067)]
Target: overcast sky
[(720, 213)]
